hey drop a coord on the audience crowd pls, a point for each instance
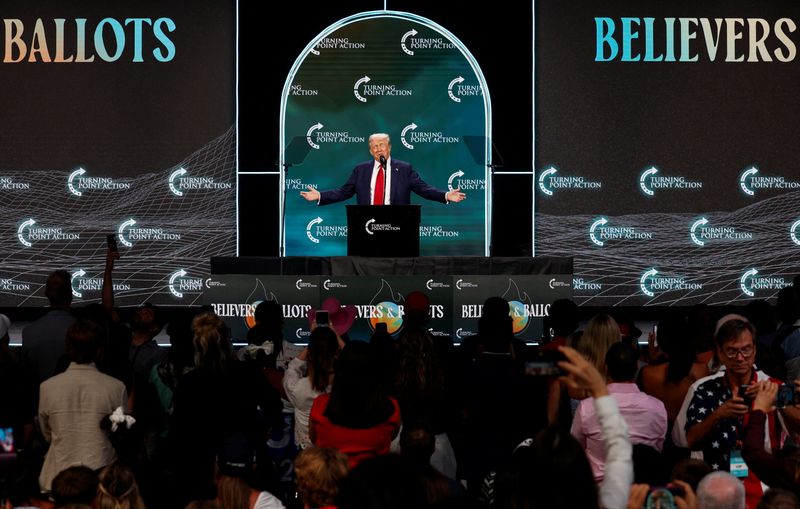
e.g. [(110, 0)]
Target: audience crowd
[(94, 413)]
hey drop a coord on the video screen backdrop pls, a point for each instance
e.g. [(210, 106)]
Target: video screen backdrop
[(391, 73), (118, 118), (666, 150)]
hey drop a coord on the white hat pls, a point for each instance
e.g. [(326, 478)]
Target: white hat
[(5, 325), (727, 318)]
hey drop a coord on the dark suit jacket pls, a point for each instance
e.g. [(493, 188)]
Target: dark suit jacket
[(404, 180)]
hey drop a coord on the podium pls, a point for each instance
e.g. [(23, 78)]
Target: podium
[(388, 231)]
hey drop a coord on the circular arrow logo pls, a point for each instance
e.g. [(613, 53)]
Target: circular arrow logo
[(311, 129), (693, 231), (542, 178), (365, 79), (793, 232), (76, 275), (743, 282), (21, 232), (410, 127), (744, 180), (367, 226), (453, 176), (171, 182), (172, 279), (309, 228), (643, 282), (72, 176), (453, 83), (121, 232), (410, 33), (644, 180), (600, 222)]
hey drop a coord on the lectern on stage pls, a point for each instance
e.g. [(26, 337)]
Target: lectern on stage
[(383, 230)]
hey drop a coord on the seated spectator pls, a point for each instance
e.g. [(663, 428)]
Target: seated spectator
[(308, 376), (118, 489), (72, 404), (357, 417), (75, 485), (319, 472), (645, 415)]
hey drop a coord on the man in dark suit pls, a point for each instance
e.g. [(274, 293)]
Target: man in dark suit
[(382, 181)]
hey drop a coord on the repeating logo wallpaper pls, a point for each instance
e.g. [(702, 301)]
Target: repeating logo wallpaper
[(666, 168), (397, 75)]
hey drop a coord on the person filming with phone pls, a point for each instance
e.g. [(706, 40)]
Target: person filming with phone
[(778, 469), (716, 410)]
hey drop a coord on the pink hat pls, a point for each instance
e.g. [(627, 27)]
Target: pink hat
[(340, 318)]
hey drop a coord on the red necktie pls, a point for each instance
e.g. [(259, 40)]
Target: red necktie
[(380, 185)]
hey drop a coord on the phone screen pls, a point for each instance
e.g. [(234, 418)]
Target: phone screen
[(321, 318), (6, 440)]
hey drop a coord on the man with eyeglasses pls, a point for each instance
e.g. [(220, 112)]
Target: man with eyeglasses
[(717, 413)]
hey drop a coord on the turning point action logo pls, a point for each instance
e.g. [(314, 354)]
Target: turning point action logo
[(179, 181), (376, 90), (127, 234), (371, 227), (180, 282), (77, 183), (409, 42), (80, 284), (749, 182), (423, 136), (336, 43), (465, 184), (599, 232), (700, 233), (751, 282), (455, 90), (27, 234), (650, 181), (315, 136), (315, 230), (651, 282), (549, 181)]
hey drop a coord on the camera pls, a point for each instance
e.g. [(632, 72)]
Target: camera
[(786, 396), (663, 497), (545, 363)]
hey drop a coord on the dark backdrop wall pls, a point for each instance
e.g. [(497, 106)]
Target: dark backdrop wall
[(499, 35)]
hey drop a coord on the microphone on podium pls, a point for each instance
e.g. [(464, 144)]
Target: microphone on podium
[(382, 161)]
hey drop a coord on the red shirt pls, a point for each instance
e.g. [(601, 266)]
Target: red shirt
[(357, 444)]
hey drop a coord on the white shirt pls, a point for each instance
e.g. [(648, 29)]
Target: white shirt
[(387, 181)]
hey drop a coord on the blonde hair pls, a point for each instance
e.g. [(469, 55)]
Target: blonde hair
[(212, 345), (118, 489), (600, 333), (319, 472), (233, 493), (379, 136)]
